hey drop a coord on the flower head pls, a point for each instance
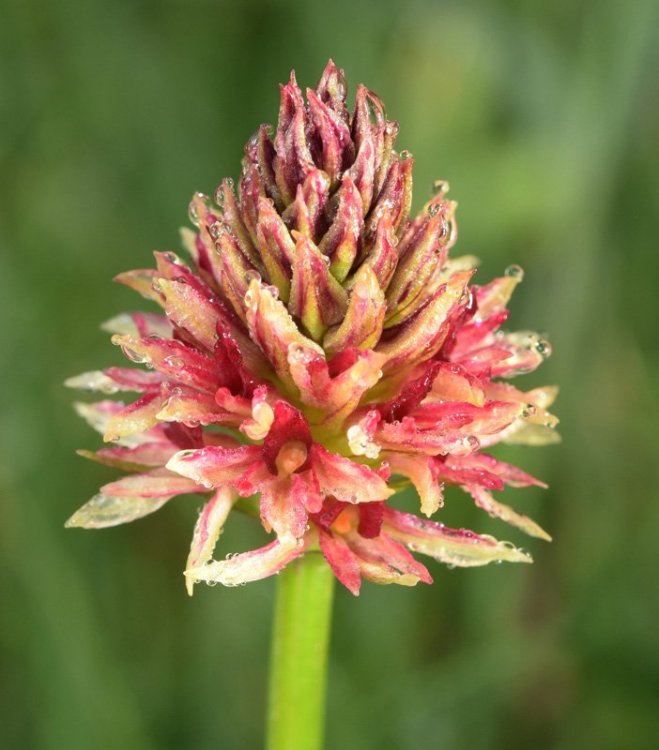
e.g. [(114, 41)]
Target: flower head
[(320, 342)]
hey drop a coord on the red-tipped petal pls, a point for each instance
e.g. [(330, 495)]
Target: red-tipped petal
[(215, 466), (384, 560), (347, 480), (455, 547), (207, 531), (317, 298), (362, 325), (342, 560), (486, 502), (341, 241), (422, 472), (248, 566)]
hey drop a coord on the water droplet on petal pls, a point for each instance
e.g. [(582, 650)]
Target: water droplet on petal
[(529, 410), (543, 347), (467, 297), (173, 361), (273, 291), (192, 213), (439, 187), (134, 356), (186, 454), (219, 196), (405, 155), (252, 275), (514, 271)]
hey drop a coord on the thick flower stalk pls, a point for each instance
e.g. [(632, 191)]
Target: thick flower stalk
[(320, 351)]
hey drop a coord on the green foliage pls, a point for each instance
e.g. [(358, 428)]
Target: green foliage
[(545, 119)]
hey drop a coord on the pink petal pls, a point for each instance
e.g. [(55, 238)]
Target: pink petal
[(346, 480), (423, 473), (282, 509), (156, 483), (341, 241), (248, 566), (316, 298), (116, 379), (191, 407), (139, 324), (110, 510), (488, 465), (383, 560), (289, 424), (190, 310), (455, 547), (208, 529), (176, 360), (486, 502), (422, 336), (136, 417), (136, 458), (342, 560), (364, 318), (336, 396), (273, 329), (214, 466)]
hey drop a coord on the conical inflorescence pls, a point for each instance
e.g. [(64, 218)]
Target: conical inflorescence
[(319, 349)]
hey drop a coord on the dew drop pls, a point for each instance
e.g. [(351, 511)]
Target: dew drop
[(216, 230), (174, 361), (543, 347), (515, 272), (252, 275), (433, 210), (405, 155), (273, 290), (186, 454), (219, 195), (192, 213), (467, 298), (440, 187), (471, 443), (529, 410), (134, 356)]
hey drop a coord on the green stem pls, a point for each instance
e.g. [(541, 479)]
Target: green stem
[(298, 665)]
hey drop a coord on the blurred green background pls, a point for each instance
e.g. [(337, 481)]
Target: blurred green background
[(544, 117)]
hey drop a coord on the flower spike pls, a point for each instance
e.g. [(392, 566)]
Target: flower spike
[(321, 349)]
